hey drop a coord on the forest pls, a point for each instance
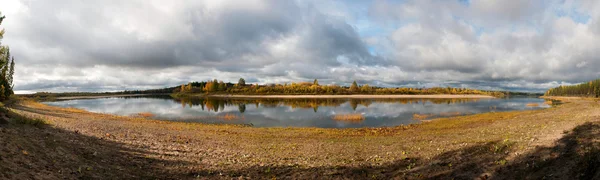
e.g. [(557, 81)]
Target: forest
[(7, 68), (308, 88), (588, 89), (52, 96)]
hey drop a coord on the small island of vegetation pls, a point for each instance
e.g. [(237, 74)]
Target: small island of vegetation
[(216, 87)]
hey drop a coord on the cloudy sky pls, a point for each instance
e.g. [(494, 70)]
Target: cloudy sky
[(107, 45)]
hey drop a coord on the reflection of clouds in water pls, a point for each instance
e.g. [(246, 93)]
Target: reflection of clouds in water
[(376, 113)]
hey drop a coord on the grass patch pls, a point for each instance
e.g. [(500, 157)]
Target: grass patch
[(30, 121), (421, 116), (532, 105), (229, 117), (144, 115), (450, 114), (349, 117), (7, 115), (19, 119)]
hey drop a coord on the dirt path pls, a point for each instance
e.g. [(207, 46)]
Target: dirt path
[(79, 144)]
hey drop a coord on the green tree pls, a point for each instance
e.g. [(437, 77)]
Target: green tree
[(316, 82), (241, 82), (215, 85), (222, 86), (7, 65), (354, 87), (11, 73), (365, 88)]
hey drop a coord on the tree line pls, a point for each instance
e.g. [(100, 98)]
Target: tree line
[(588, 89), (7, 68), (52, 96), (303, 88)]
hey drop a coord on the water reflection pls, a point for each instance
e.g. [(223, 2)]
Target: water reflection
[(328, 113), (219, 104)]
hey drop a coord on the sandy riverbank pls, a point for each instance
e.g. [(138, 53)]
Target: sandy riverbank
[(358, 96), (76, 144)]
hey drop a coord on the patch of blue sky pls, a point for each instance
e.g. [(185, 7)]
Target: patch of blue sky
[(372, 50), (572, 13)]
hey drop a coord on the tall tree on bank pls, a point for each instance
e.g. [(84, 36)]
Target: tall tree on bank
[(354, 87), (7, 68), (241, 82)]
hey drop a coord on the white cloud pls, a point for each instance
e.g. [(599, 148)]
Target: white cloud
[(70, 45)]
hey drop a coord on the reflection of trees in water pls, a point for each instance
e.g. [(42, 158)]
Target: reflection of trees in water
[(165, 97), (242, 108), (219, 104)]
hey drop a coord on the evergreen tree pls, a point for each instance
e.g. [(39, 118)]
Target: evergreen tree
[(589, 89), (7, 66), (241, 82), (214, 85), (222, 86), (354, 87), (316, 82), (11, 72)]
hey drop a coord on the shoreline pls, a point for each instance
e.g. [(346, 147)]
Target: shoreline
[(361, 96), (504, 144), (104, 96)]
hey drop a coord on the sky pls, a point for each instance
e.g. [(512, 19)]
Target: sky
[(111, 45)]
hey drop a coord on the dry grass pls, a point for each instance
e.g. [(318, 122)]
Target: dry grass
[(451, 114), (144, 115), (548, 102), (229, 117), (422, 116), (349, 117), (532, 105)]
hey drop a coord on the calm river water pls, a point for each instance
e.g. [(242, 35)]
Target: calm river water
[(327, 113)]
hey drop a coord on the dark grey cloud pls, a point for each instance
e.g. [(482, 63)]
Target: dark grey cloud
[(69, 45), (229, 36)]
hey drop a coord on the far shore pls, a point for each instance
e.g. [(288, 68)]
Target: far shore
[(100, 96), (355, 96), (359, 96)]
